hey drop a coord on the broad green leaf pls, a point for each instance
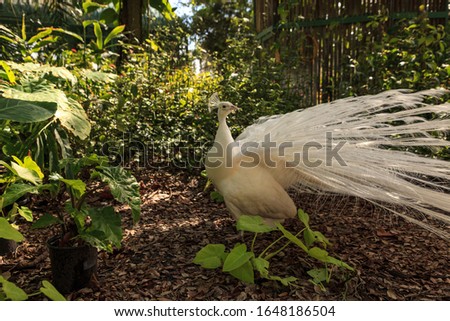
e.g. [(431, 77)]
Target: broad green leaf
[(77, 186), (291, 237), (254, 224), (107, 221), (244, 273), (8, 232), (211, 256), (50, 291), (26, 213), (26, 174), (237, 257), (99, 35), (15, 191), (29, 163), (318, 253), (68, 111), (24, 111), (12, 291), (303, 217), (124, 188), (46, 220), (114, 33), (73, 117)]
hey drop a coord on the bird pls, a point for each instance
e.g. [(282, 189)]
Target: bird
[(362, 146)]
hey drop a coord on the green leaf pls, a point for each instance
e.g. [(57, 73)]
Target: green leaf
[(8, 232), (15, 191), (50, 291), (77, 186), (285, 281), (107, 221), (46, 220), (29, 163), (237, 257), (114, 34), (254, 224), (292, 238), (211, 256), (323, 256), (303, 217), (319, 275), (9, 72), (99, 35), (67, 32), (40, 35), (26, 213), (261, 265), (164, 7), (26, 174), (12, 291), (124, 188), (244, 273), (216, 197), (23, 111), (309, 237)]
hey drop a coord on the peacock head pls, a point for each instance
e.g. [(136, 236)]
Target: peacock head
[(223, 107)]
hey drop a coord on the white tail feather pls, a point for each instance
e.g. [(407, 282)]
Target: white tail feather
[(376, 136)]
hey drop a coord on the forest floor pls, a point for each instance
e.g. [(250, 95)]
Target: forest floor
[(393, 259)]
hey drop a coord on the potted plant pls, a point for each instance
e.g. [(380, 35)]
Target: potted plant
[(23, 177), (84, 227)]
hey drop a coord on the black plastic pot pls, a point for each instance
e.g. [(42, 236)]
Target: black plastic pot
[(7, 246), (72, 267)]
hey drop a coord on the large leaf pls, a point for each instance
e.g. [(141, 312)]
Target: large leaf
[(254, 224), (29, 163), (211, 256), (50, 291), (124, 187), (58, 72), (8, 232), (16, 191), (237, 257), (46, 220), (12, 291), (68, 111), (26, 111), (26, 213), (106, 221)]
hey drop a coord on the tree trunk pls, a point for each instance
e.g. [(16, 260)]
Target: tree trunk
[(131, 15)]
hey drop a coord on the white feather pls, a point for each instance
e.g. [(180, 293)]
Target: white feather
[(372, 137)]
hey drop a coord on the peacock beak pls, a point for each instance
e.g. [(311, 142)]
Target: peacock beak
[(234, 108)]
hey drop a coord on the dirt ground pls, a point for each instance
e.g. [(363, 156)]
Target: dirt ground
[(393, 260)]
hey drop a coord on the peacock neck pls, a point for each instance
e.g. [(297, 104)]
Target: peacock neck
[(223, 135)]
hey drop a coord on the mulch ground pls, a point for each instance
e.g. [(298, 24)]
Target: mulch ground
[(393, 259)]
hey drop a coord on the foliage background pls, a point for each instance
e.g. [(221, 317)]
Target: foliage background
[(146, 101)]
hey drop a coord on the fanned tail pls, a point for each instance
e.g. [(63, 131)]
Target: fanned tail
[(363, 147)]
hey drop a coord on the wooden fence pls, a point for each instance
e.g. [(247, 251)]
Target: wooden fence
[(317, 37)]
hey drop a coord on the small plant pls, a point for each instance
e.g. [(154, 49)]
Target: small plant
[(242, 263), (10, 291), (99, 226)]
